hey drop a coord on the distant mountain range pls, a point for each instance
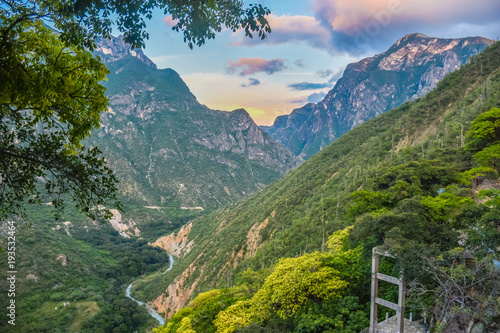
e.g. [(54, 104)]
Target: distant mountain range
[(407, 70), (167, 148)]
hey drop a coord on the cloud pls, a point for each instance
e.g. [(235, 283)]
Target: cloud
[(363, 27), (312, 98), (357, 26), (299, 63), (324, 73), (290, 28), (169, 21), (247, 66), (264, 102), (300, 101), (252, 82), (316, 97), (308, 86)]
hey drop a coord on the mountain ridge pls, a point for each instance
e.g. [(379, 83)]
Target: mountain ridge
[(407, 70)]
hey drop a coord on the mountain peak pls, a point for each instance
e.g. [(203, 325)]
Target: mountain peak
[(115, 48), (416, 35), (240, 112), (409, 38)]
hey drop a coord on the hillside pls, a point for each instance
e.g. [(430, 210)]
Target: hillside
[(296, 214), (407, 70)]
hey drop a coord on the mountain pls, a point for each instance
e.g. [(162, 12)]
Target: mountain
[(407, 70), (297, 213), (168, 149)]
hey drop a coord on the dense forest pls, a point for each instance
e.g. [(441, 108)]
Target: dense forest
[(419, 181)]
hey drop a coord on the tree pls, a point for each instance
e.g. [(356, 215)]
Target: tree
[(485, 143), (462, 291), (51, 97), (485, 129)]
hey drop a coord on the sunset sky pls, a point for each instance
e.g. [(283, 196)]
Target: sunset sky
[(311, 43)]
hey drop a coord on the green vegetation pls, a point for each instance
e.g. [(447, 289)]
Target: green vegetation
[(57, 312), (402, 180), (86, 265), (50, 99), (310, 293)]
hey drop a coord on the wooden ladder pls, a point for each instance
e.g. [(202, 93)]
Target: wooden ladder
[(375, 300)]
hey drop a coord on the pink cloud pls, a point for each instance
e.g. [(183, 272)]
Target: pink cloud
[(348, 15), (169, 21), (363, 23), (247, 66)]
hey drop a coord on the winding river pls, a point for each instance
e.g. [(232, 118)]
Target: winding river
[(150, 309)]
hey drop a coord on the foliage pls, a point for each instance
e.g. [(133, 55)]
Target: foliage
[(100, 265), (485, 129), (236, 316), (80, 22), (294, 281), (50, 99), (304, 294)]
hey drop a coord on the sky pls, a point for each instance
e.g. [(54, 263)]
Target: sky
[(310, 44)]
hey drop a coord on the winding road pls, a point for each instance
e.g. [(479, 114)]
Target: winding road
[(150, 309)]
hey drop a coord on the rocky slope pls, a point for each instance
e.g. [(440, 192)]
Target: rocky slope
[(407, 70), (168, 149)]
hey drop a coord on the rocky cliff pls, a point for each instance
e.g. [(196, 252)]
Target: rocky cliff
[(115, 49), (407, 70)]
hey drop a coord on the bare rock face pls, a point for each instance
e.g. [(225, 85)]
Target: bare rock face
[(176, 244), (125, 227), (115, 49), (62, 258), (407, 70)]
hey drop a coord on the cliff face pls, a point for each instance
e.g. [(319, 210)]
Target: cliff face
[(407, 70), (167, 149), (115, 49)]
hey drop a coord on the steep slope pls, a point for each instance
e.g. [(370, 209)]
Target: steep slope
[(296, 213), (167, 149), (408, 69)]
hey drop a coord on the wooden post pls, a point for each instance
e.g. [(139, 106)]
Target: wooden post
[(401, 303), (373, 304)]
